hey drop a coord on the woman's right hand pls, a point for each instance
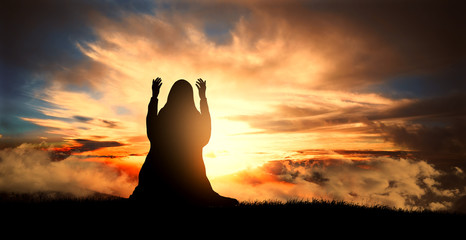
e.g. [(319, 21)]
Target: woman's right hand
[(156, 84)]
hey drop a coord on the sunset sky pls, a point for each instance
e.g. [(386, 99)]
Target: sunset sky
[(361, 101)]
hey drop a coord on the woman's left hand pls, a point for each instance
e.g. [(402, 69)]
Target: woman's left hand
[(201, 86)]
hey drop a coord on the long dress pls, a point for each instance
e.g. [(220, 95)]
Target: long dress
[(174, 170)]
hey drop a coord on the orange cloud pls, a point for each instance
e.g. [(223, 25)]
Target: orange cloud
[(27, 169), (374, 179)]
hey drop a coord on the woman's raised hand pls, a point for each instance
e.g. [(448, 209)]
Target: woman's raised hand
[(156, 84), (201, 86)]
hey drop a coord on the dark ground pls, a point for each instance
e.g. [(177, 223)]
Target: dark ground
[(113, 215), (55, 202)]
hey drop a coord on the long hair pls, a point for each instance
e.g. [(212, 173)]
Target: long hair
[(179, 117), (180, 97)]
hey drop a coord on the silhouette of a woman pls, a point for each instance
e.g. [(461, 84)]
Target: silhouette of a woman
[(174, 170)]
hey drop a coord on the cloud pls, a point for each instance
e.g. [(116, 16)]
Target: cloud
[(441, 108), (325, 45), (360, 42), (430, 139), (81, 147), (430, 125), (374, 180), (90, 145), (433, 126), (443, 146), (109, 124), (82, 118), (321, 109), (42, 34), (39, 41), (31, 31), (26, 169)]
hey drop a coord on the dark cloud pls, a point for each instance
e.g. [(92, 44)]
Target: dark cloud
[(372, 153), (369, 42), (215, 18), (101, 122), (445, 111), (43, 34), (449, 81), (82, 118), (292, 121), (447, 107), (460, 205), (438, 139), (294, 111), (40, 34), (274, 125), (82, 76), (289, 118), (298, 119), (412, 27), (442, 146), (57, 148), (90, 145), (109, 124), (433, 126), (79, 146)]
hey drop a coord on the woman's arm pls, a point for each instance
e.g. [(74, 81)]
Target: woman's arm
[(151, 119), (205, 114)]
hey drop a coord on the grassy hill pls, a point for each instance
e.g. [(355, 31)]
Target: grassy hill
[(105, 216), (56, 202)]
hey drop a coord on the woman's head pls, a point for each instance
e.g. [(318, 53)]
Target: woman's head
[(181, 95)]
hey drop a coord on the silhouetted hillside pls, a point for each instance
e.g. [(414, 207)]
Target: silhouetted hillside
[(97, 203)]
